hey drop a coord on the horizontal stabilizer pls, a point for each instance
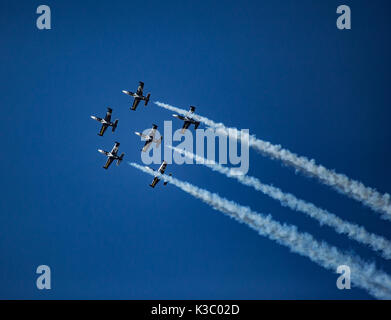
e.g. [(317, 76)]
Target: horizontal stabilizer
[(115, 124), (147, 99), (120, 159)]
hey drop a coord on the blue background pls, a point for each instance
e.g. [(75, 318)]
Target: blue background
[(280, 68)]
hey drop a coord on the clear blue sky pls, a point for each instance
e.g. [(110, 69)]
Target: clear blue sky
[(280, 68)]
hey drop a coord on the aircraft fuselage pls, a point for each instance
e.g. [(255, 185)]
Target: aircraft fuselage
[(102, 121), (133, 94), (185, 118), (110, 155)]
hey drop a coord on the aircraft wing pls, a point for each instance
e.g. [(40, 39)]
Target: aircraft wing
[(102, 130), (115, 148), (135, 103), (108, 163), (185, 126), (108, 115), (163, 167), (146, 145), (154, 182)]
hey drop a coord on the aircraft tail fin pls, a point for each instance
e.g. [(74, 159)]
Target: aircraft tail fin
[(147, 99), (115, 125), (120, 159)]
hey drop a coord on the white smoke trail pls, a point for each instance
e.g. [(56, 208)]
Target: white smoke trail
[(353, 231), (364, 275), (340, 182)]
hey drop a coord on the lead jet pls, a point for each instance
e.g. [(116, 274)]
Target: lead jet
[(150, 138), (161, 170), (112, 155), (106, 122), (188, 119), (138, 96)]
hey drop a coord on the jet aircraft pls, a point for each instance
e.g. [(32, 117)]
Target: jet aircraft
[(112, 155), (106, 122), (138, 96), (161, 170), (150, 138), (188, 119)]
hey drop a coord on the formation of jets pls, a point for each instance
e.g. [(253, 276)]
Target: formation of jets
[(149, 138)]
